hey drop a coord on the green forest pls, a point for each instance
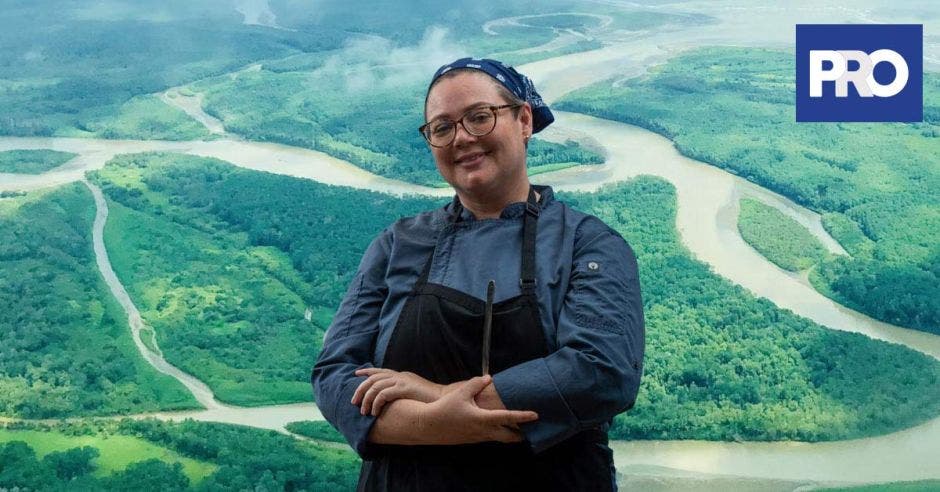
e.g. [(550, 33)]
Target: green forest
[(721, 364), (65, 346), (779, 238), (147, 118), (76, 450), (153, 455), (32, 161), (238, 273), (54, 80), (876, 184), (320, 430), (370, 119), (914, 486), (226, 283)]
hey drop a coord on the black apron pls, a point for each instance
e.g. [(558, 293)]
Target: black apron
[(438, 336)]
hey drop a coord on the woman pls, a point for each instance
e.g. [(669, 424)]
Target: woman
[(401, 374)]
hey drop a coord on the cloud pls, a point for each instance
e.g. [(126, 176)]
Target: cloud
[(373, 62), (256, 12)]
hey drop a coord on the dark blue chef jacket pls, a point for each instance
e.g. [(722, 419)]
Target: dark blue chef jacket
[(589, 302)]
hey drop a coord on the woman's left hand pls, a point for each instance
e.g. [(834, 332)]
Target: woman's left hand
[(385, 385)]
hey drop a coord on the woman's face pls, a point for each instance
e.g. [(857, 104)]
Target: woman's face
[(481, 166)]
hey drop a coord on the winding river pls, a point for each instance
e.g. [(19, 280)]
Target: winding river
[(706, 220)]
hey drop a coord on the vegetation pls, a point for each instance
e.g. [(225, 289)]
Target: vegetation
[(33, 161), (219, 308), (779, 238), (100, 454), (588, 28), (226, 283), (914, 486), (723, 365), (66, 67), (876, 184), (365, 116), (239, 290), (21, 470), (142, 117), (65, 346), (720, 363), (522, 57), (249, 457), (395, 21), (165, 456), (319, 429)]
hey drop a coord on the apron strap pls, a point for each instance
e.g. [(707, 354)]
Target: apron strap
[(529, 230)]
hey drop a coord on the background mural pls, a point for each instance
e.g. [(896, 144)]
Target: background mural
[(186, 189)]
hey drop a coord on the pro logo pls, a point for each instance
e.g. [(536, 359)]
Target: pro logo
[(859, 72)]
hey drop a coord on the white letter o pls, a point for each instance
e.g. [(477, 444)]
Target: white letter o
[(900, 77)]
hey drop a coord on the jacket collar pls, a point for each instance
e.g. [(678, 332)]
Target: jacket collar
[(513, 210)]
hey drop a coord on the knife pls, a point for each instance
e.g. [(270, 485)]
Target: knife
[(488, 325)]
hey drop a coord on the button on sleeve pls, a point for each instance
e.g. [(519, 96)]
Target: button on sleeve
[(595, 373)]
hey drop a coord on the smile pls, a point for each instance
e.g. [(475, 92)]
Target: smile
[(470, 159)]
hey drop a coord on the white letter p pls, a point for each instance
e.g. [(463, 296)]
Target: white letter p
[(817, 75)]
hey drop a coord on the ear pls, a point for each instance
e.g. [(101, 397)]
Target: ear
[(525, 117)]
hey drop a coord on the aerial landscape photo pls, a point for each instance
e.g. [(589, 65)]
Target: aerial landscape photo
[(187, 189)]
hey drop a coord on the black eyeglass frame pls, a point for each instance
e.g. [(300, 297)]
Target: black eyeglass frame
[(423, 129)]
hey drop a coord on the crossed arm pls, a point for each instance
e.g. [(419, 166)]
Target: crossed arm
[(413, 410), (593, 374), (420, 412)]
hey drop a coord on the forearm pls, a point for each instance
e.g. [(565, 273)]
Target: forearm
[(400, 423), (455, 418)]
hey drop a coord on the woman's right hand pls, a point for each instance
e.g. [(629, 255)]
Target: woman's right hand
[(383, 386), (455, 418)]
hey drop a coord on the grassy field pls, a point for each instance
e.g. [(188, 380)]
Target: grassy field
[(876, 184), (779, 238), (116, 452), (33, 161)]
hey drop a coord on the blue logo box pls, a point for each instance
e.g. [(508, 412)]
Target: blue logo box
[(856, 72)]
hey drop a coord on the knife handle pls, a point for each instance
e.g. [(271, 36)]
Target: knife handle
[(488, 325)]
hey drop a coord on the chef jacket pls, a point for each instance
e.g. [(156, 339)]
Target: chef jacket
[(589, 304)]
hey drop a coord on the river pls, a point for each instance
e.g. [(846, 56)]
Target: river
[(706, 221)]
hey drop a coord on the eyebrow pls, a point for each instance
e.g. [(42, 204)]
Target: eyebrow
[(468, 108)]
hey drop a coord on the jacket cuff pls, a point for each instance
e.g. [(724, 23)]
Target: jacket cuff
[(530, 386), (354, 426)]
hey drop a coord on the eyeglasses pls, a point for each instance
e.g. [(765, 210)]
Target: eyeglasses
[(477, 122)]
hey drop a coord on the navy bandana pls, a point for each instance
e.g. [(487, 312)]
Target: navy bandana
[(518, 84)]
